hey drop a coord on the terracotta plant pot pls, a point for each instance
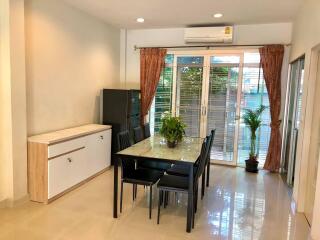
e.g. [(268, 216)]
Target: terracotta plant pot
[(171, 144), (252, 166)]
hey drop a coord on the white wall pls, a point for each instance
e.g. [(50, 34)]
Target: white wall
[(54, 60), (5, 97), (244, 34), (306, 36), (70, 56), (13, 150)]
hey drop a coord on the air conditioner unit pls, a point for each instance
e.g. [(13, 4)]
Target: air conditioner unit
[(209, 34)]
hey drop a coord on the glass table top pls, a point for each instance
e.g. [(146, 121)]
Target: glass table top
[(188, 150)]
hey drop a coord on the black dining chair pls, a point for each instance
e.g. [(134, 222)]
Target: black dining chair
[(183, 170), (146, 129), (138, 134), (172, 183), (206, 172), (136, 176), (148, 164)]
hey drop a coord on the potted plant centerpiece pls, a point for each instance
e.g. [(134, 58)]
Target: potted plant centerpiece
[(172, 129), (252, 119)]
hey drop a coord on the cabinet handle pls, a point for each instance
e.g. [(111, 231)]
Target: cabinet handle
[(101, 137), (69, 160)]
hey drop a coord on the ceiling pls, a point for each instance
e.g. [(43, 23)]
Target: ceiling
[(181, 13)]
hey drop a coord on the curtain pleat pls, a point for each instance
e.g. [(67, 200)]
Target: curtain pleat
[(271, 62)]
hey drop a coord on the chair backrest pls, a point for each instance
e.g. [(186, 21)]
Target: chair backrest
[(203, 157), (123, 143), (123, 139), (213, 133), (138, 134), (146, 128)]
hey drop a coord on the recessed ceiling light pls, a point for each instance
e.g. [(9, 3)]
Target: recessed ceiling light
[(140, 20), (218, 15)]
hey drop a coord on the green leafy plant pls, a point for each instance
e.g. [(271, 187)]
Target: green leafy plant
[(252, 118), (172, 128)]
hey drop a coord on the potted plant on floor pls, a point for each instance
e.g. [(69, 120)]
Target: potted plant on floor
[(252, 119), (172, 129)]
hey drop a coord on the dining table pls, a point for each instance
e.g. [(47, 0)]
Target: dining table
[(155, 148)]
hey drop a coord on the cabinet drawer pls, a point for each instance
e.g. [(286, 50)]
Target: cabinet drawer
[(65, 147), (66, 171)]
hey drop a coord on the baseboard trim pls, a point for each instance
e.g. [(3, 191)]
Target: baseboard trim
[(3, 203), (8, 203)]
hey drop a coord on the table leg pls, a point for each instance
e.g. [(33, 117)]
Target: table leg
[(190, 200), (115, 189), (208, 172)]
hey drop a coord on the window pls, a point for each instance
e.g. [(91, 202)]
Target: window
[(163, 99), (254, 94), (211, 90)]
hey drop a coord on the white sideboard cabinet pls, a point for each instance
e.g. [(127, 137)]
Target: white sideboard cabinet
[(60, 161)]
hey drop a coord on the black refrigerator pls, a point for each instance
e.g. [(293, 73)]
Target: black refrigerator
[(121, 109)]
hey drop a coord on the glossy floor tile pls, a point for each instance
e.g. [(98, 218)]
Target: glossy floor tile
[(237, 205)]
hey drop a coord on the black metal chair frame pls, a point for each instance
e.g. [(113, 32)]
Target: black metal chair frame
[(206, 173), (129, 165), (179, 170), (200, 168)]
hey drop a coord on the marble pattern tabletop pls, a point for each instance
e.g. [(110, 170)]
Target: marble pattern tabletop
[(155, 147)]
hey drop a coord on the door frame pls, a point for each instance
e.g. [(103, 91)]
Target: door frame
[(294, 134), (207, 54), (314, 148), (301, 170)]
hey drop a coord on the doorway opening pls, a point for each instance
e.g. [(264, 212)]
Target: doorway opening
[(210, 90)]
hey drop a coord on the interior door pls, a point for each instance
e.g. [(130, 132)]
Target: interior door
[(314, 153), (189, 82), (223, 109)]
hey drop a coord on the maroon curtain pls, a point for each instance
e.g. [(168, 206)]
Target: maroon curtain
[(271, 62), (152, 61)]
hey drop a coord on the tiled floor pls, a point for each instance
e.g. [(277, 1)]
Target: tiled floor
[(237, 205)]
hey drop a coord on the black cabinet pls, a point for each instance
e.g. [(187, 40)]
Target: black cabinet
[(121, 109)]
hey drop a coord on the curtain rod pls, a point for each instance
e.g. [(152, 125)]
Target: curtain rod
[(209, 46)]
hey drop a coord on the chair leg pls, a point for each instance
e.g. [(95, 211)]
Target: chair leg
[(203, 179), (196, 199), (193, 216), (150, 202), (194, 206), (159, 204), (166, 197), (208, 172), (121, 196), (133, 192)]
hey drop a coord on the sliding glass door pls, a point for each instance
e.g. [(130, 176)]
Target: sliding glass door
[(210, 90), (189, 81), (223, 94)]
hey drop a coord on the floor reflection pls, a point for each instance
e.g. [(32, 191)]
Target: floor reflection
[(237, 205), (249, 206)]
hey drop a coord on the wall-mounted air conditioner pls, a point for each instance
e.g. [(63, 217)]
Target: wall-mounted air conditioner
[(208, 34)]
